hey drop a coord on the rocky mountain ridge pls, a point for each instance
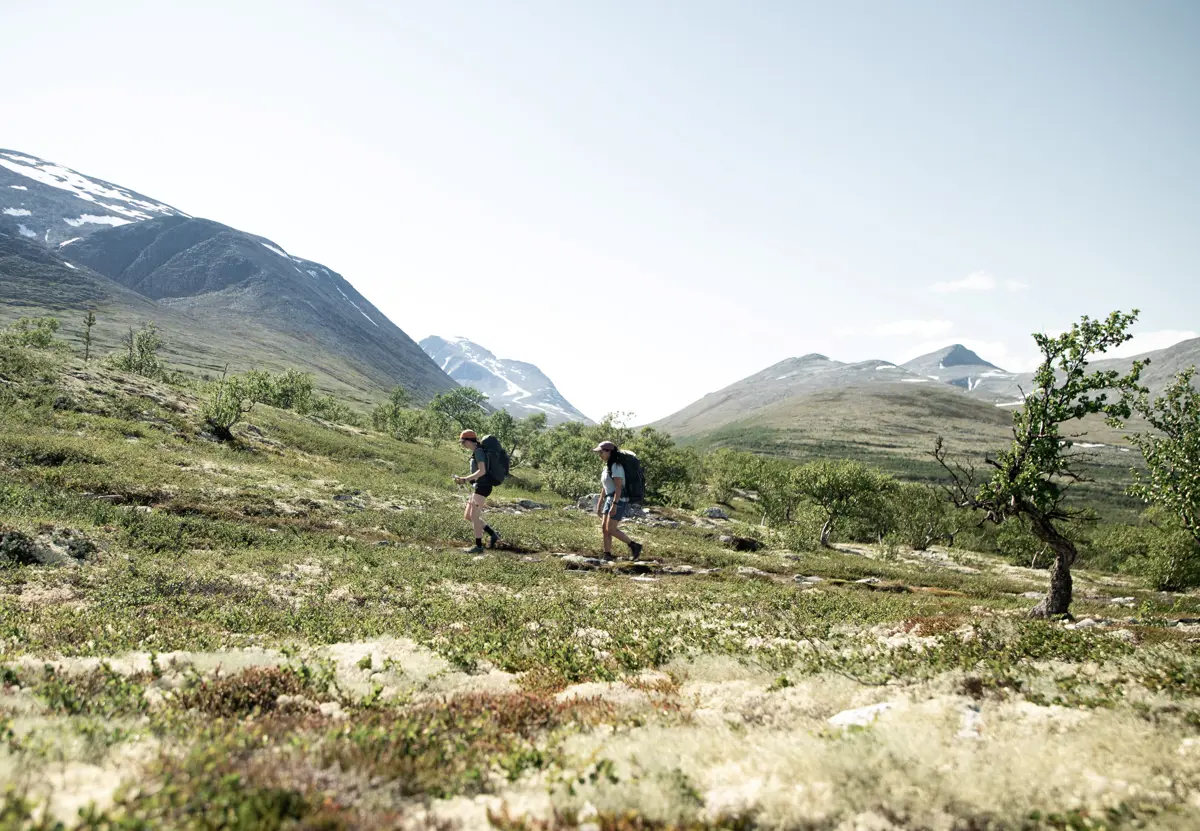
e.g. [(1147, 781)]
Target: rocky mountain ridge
[(516, 386)]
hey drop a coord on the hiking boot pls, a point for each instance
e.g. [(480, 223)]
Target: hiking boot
[(475, 549), (493, 539), (635, 550), (607, 557)]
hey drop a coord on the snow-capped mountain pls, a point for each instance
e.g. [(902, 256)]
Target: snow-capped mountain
[(54, 204), (74, 242), (516, 386)]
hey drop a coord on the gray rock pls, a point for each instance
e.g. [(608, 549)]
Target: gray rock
[(589, 502), (1033, 595), (715, 513), (530, 505), (868, 581), (578, 562), (1124, 601), (800, 578), (681, 569), (110, 498), (750, 571)]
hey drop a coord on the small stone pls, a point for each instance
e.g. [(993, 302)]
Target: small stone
[(800, 578), (715, 513), (681, 569), (867, 581), (750, 571), (530, 505), (1124, 601), (1087, 623)]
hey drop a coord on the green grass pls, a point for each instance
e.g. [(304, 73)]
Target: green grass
[(282, 633)]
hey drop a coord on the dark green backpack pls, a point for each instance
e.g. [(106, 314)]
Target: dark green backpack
[(497, 460)]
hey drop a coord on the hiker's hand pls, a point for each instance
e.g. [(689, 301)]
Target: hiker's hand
[(458, 479)]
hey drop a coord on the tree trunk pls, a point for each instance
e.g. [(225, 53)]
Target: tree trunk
[(1058, 599), (825, 532)]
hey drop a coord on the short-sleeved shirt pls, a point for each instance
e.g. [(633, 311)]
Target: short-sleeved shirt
[(479, 457), (608, 479)]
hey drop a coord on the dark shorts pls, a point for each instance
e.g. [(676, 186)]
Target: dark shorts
[(483, 488), (616, 512)]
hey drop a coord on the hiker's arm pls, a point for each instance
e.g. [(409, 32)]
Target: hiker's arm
[(619, 483), (479, 473)]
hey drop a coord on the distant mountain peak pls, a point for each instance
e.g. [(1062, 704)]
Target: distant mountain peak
[(959, 355), (516, 386), (813, 356)]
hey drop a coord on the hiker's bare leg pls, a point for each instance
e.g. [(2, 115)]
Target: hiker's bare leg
[(614, 530), (607, 536), (477, 505)]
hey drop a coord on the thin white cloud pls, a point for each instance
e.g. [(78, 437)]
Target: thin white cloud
[(1015, 285), (975, 281)]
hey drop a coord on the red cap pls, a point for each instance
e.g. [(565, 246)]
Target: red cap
[(468, 434)]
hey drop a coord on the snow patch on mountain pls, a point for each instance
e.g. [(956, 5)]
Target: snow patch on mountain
[(81, 186), (518, 387), (93, 219), (17, 212), (25, 232)]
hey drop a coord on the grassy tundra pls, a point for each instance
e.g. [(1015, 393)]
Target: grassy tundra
[(280, 632)]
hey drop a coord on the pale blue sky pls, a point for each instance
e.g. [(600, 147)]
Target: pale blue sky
[(743, 181)]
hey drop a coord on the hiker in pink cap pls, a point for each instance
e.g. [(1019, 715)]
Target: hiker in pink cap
[(613, 504)]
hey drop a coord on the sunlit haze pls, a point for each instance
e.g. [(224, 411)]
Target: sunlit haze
[(657, 199)]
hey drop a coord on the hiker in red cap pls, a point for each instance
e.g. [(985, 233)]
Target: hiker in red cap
[(613, 503), (480, 489)]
